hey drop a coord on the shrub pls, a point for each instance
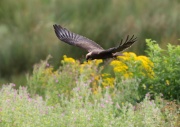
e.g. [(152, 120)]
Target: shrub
[(166, 70)]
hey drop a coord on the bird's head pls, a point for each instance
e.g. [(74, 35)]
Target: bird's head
[(88, 56)]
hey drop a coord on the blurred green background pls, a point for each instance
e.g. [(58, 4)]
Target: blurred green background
[(27, 35)]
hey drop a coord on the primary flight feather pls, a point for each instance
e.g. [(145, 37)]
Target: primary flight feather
[(95, 51)]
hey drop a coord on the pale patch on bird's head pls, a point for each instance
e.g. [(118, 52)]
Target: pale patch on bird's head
[(88, 56)]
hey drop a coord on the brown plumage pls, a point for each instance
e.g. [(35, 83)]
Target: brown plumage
[(95, 51)]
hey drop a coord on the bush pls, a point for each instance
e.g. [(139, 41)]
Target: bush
[(166, 70)]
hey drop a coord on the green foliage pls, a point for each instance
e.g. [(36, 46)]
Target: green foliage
[(166, 70)]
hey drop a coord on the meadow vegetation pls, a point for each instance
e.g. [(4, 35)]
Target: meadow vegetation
[(138, 91)]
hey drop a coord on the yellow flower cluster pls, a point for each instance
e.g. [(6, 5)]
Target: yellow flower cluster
[(127, 56), (119, 66), (94, 84), (68, 59), (125, 65), (108, 82), (99, 61), (146, 64)]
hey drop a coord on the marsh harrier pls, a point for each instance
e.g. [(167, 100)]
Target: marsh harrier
[(95, 51)]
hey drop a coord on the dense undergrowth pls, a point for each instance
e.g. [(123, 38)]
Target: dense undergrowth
[(138, 91)]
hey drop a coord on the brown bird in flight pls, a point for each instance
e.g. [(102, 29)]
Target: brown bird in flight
[(95, 51)]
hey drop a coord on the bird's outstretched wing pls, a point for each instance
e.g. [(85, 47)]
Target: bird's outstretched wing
[(74, 39), (122, 46)]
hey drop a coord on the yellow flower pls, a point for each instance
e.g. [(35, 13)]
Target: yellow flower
[(115, 63), (118, 66), (88, 62), (108, 82), (97, 62), (96, 77), (95, 91), (128, 74), (94, 86), (146, 64), (68, 59), (127, 56), (125, 63)]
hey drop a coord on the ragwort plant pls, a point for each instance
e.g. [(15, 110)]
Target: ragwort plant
[(51, 83), (130, 72), (158, 73)]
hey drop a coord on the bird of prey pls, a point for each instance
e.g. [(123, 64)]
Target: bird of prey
[(95, 51)]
